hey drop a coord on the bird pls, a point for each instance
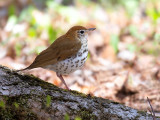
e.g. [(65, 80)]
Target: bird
[(66, 54)]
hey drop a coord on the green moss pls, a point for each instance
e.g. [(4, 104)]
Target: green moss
[(16, 105), (48, 100), (142, 113), (78, 118), (66, 117), (16, 108), (73, 92), (86, 115), (82, 115), (2, 104), (5, 114)]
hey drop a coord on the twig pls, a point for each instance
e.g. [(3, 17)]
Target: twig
[(151, 111)]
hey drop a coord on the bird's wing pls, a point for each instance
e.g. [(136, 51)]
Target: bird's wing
[(58, 51)]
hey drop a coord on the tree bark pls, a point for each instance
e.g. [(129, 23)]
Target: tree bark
[(27, 97)]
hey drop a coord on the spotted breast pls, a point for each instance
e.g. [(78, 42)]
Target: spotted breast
[(72, 63)]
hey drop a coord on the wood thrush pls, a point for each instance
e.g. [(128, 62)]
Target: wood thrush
[(66, 54)]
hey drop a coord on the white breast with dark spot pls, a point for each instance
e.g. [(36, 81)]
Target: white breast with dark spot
[(73, 63)]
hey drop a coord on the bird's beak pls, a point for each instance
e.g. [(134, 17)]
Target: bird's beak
[(91, 29)]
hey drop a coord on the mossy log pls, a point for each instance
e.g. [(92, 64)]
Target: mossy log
[(24, 97)]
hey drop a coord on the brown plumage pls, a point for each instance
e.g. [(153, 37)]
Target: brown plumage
[(62, 48), (58, 50)]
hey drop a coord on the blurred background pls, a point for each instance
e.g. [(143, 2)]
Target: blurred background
[(124, 51)]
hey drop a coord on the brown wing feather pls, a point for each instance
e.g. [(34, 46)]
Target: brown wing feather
[(59, 50)]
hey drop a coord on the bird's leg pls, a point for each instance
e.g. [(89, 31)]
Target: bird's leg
[(61, 78)]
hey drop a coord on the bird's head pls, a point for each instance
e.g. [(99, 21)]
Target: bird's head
[(79, 32)]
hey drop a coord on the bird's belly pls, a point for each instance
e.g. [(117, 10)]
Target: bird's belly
[(71, 64)]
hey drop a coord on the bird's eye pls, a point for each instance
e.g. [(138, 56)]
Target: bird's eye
[(81, 31)]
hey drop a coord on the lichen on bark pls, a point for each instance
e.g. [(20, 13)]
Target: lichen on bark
[(28, 97)]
